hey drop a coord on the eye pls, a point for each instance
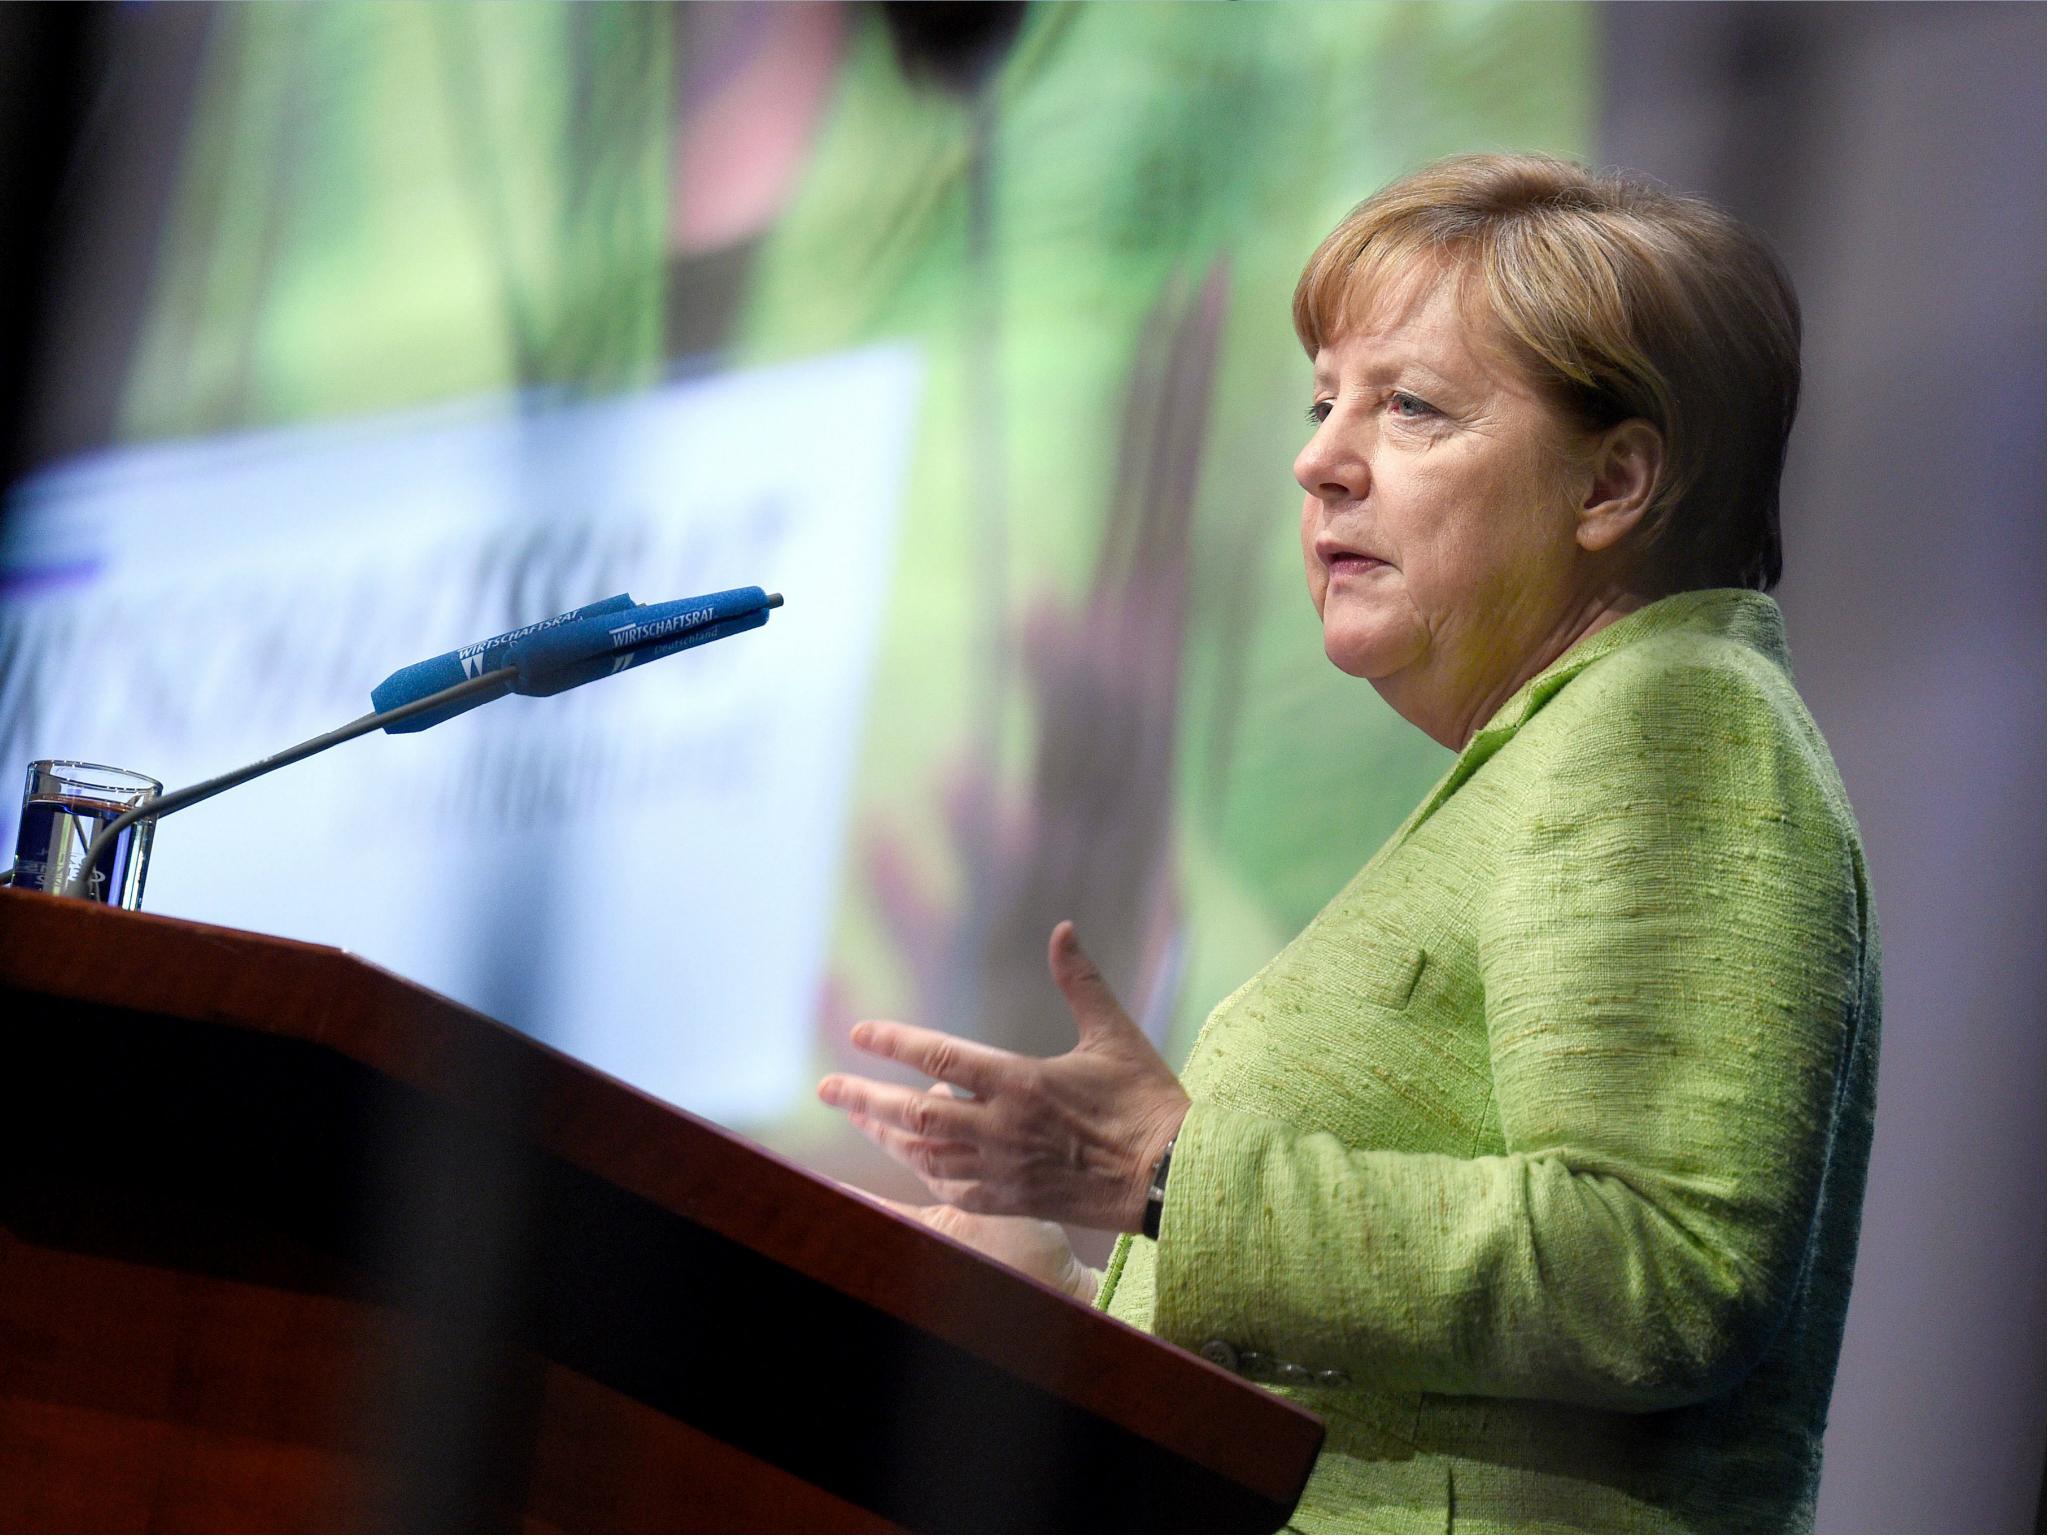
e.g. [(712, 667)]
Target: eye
[(1410, 407), (1319, 413)]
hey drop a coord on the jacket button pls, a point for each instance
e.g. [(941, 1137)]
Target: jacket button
[(1333, 1378), (1221, 1352)]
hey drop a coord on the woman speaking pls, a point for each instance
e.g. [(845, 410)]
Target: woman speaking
[(1534, 1163)]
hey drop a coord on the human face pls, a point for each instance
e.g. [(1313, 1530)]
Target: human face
[(1438, 528)]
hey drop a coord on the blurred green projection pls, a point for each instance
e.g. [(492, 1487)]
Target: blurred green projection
[(1101, 692)]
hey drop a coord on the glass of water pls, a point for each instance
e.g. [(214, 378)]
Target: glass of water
[(64, 806)]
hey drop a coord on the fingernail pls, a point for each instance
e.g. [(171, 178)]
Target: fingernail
[(863, 1032), (828, 1090)]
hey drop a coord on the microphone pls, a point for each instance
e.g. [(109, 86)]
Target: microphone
[(540, 659), (559, 657), (410, 684)]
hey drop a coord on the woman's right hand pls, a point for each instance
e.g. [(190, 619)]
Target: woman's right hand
[(1037, 1248)]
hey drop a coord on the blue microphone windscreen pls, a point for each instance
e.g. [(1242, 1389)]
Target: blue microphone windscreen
[(424, 678), (570, 655), (562, 679)]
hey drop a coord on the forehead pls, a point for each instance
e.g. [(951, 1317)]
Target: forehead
[(1427, 314)]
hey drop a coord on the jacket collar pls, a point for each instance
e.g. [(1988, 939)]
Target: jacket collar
[(1750, 618)]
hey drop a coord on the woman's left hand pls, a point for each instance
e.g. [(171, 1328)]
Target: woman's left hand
[(1037, 1248), (1070, 1138)]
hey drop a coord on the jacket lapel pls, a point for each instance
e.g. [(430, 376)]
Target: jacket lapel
[(1750, 617)]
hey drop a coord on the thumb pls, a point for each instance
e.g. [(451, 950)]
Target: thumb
[(1089, 999)]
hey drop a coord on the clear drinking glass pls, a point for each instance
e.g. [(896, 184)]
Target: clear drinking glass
[(63, 806)]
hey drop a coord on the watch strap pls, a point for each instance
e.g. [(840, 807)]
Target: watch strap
[(1155, 1192)]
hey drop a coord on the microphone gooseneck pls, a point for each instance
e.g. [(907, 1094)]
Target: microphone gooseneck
[(489, 685), (540, 660)]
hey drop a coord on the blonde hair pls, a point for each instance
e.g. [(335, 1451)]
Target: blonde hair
[(1619, 300)]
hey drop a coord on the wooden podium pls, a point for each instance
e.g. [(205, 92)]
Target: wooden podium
[(289, 1243)]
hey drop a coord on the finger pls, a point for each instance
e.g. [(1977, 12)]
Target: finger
[(939, 1218), (1089, 999), (931, 1160), (980, 1069), (900, 1207), (921, 1114)]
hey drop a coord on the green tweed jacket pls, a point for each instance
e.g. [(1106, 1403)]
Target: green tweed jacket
[(1534, 1164)]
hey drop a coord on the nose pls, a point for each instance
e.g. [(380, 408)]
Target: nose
[(1332, 469)]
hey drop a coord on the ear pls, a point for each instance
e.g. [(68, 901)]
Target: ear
[(1626, 466)]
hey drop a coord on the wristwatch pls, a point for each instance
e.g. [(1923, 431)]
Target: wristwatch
[(1155, 1192)]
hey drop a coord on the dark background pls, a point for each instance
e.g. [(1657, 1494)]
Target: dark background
[(1894, 154)]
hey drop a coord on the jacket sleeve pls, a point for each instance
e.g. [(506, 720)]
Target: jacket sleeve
[(1669, 959)]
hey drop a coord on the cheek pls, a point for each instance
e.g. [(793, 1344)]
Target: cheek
[(1488, 535)]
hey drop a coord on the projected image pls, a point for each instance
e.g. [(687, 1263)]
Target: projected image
[(609, 869), (966, 328)]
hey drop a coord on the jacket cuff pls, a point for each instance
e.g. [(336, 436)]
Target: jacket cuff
[(1218, 1235)]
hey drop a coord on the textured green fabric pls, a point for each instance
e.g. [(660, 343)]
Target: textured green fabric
[(1551, 1129)]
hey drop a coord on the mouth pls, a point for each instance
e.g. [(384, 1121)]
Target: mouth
[(1341, 562)]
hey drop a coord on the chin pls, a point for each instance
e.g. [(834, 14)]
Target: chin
[(1369, 651)]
